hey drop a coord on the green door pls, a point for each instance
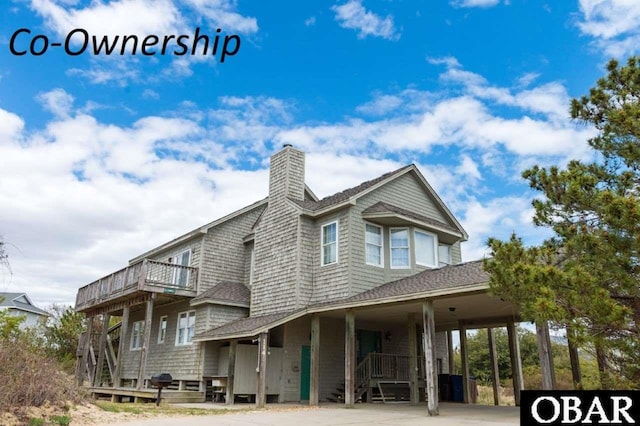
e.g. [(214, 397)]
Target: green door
[(368, 341), (305, 373)]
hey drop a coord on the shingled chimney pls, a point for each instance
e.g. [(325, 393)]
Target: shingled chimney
[(286, 176)]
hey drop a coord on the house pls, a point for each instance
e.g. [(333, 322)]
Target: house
[(19, 304), (294, 298)]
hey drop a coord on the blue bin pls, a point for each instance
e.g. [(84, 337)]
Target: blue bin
[(457, 391)]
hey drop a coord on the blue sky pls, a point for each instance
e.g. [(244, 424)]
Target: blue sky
[(102, 158)]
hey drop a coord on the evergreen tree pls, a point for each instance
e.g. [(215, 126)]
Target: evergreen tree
[(586, 275)]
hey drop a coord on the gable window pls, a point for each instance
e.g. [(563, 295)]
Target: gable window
[(399, 242), (186, 328), (136, 335), (329, 243), (444, 255), (373, 245), (162, 330), (426, 246), (181, 275)]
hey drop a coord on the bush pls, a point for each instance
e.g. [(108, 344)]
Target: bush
[(31, 378)]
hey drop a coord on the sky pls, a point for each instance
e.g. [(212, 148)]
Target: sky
[(103, 157)]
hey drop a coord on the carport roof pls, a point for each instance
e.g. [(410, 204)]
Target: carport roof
[(447, 280)]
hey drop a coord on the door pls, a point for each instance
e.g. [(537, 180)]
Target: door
[(368, 341), (305, 372)]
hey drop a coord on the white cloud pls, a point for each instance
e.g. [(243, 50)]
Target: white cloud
[(353, 15), (311, 21), (475, 3), (57, 101), (380, 105), (614, 24)]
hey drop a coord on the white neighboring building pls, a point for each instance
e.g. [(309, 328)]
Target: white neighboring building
[(20, 304)]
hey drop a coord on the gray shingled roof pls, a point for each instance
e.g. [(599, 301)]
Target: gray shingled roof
[(383, 207), (447, 277), (8, 302), (347, 193), (248, 326), (226, 291), (451, 276)]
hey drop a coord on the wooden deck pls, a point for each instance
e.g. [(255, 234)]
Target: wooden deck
[(148, 395)]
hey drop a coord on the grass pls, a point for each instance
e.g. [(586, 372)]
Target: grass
[(133, 408), (485, 395)]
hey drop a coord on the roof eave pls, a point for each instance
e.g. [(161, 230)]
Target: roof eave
[(214, 301), (418, 222)]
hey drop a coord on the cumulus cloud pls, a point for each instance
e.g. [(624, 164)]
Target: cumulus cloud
[(614, 24), (474, 3), (353, 15)]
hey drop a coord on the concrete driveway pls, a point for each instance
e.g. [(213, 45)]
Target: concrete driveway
[(362, 414)]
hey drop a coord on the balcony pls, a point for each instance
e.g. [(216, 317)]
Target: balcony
[(144, 276)]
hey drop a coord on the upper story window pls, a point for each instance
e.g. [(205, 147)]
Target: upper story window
[(329, 243), (426, 248), (373, 245), (444, 255), (181, 275), (162, 329), (399, 242), (186, 328), (136, 335)]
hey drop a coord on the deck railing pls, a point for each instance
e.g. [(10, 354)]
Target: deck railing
[(145, 275)]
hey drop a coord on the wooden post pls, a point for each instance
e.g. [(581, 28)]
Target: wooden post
[(124, 324), (86, 353), (430, 371), (516, 361), (263, 347), (231, 373), (451, 360), (495, 373), (148, 317), (464, 358), (574, 359), (413, 359), (314, 383), (97, 378), (349, 359), (544, 353)]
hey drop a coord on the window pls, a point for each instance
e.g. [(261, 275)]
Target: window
[(444, 255), (425, 249), (136, 335), (251, 266), (329, 243), (399, 247), (162, 330), (373, 245), (181, 275), (186, 328)]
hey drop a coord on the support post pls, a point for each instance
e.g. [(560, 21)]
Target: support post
[(148, 317), (451, 359), (544, 353), (464, 358), (85, 352), (495, 372), (516, 361), (124, 324), (413, 359), (314, 382), (231, 373), (431, 375), (349, 359), (263, 347), (574, 359), (102, 348)]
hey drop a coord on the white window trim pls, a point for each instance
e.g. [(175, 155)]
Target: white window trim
[(408, 248), (174, 279), (435, 247), (133, 327), (381, 264), (337, 243), (178, 327), (166, 322)]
